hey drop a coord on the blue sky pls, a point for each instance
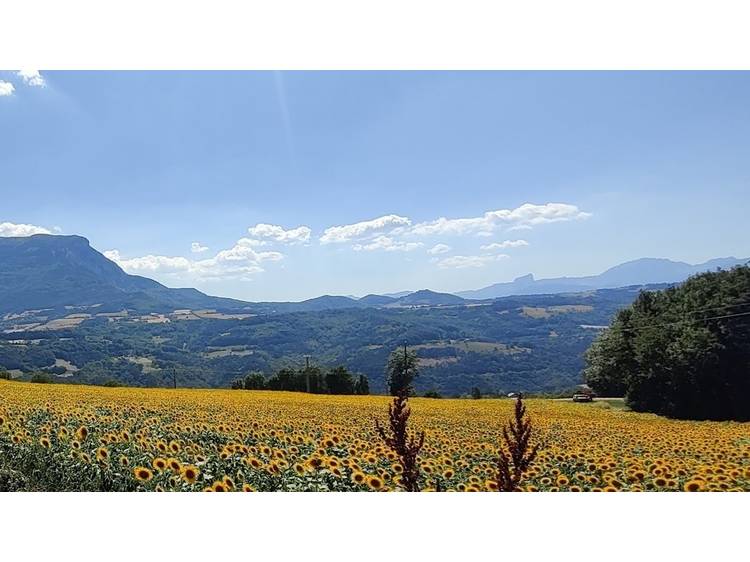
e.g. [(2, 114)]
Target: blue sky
[(284, 186)]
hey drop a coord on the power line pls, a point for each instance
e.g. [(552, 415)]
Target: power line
[(684, 321), (650, 326), (717, 307)]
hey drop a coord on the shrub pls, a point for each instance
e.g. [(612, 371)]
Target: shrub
[(41, 378), (517, 454), (405, 446)]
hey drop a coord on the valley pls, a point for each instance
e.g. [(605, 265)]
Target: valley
[(530, 343)]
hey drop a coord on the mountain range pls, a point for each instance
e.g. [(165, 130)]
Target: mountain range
[(47, 271), (64, 272), (644, 271)]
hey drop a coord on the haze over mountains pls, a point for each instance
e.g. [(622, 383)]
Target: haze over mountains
[(54, 272), (644, 271), (67, 310)]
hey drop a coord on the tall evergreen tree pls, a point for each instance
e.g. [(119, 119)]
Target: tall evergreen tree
[(401, 370)]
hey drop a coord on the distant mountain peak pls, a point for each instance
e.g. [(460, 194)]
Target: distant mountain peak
[(430, 298), (54, 271), (641, 271)]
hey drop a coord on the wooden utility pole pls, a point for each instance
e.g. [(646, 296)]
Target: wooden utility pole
[(406, 368), (307, 373)]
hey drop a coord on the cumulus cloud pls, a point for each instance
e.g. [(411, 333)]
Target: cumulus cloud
[(149, 263), (439, 249), (387, 244), (527, 215), (6, 88), (462, 262), (198, 248), (32, 78), (504, 244), (279, 234), (237, 262), (363, 230), (11, 229)]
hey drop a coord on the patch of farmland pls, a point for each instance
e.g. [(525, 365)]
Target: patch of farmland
[(435, 361), (212, 352), (546, 312), (471, 346), (70, 369), (70, 321), (146, 363)]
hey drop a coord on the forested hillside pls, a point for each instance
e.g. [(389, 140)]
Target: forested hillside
[(683, 352), (532, 343)]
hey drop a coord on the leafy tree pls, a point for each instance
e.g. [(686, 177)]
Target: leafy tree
[(316, 380), (432, 394), (683, 352), (41, 378), (286, 379), (254, 381), (5, 375), (476, 394), (401, 371), (610, 359), (362, 386), (339, 381)]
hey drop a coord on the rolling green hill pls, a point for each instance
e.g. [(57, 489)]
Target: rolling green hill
[(532, 343)]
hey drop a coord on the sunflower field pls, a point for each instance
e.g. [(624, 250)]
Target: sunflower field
[(85, 438)]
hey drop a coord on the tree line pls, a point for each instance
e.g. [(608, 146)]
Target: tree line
[(401, 370), (337, 380), (683, 352)]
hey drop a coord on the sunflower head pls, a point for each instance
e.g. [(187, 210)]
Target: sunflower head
[(693, 486), (142, 473), (374, 482), (190, 473)]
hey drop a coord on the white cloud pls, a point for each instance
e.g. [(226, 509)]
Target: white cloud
[(504, 244), (197, 248), (6, 88), (12, 229), (149, 263), (462, 262), (527, 215), (32, 78), (387, 244), (363, 230), (279, 234), (439, 249), (238, 262)]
